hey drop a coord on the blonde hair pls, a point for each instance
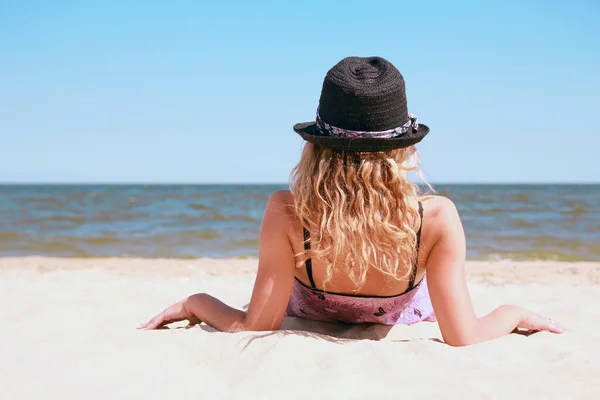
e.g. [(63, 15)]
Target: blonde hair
[(361, 209)]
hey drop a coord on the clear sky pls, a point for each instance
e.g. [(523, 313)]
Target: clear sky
[(207, 92)]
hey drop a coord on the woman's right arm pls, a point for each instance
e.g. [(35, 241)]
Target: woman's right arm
[(450, 296)]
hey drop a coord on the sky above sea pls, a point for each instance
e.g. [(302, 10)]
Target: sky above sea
[(208, 92)]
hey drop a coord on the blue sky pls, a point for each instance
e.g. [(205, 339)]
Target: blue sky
[(207, 92)]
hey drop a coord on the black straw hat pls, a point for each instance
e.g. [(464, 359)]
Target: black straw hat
[(363, 108)]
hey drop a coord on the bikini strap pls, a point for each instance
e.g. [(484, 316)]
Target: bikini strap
[(413, 272), (308, 262)]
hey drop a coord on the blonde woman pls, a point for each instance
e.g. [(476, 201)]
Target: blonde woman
[(354, 240)]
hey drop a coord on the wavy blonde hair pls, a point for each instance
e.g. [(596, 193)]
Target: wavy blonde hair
[(362, 208)]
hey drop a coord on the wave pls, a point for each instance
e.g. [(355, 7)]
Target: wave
[(198, 206)]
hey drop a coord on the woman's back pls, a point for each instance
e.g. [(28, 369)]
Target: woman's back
[(381, 298), (376, 283)]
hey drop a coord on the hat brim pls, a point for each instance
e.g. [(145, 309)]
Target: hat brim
[(310, 133)]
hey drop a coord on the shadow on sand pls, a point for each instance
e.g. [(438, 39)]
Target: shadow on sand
[(331, 332)]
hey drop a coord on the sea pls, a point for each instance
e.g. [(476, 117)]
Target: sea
[(501, 222)]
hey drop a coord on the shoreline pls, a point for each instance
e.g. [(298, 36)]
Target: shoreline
[(485, 272)]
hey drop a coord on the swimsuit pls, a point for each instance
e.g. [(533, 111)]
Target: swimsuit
[(407, 308)]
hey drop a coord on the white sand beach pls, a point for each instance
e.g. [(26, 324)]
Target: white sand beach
[(69, 331)]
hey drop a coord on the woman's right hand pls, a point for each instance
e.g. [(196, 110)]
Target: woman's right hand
[(174, 313), (534, 322)]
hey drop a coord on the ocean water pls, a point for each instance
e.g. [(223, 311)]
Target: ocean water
[(516, 222)]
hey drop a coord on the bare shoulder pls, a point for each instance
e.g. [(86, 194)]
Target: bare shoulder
[(282, 200), (440, 215), (438, 206), (280, 209)]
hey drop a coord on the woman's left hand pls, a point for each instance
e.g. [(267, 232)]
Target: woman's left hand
[(175, 313)]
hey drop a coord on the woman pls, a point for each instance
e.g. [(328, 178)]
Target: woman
[(354, 241)]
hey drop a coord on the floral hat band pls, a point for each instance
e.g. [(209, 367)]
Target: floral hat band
[(329, 130)]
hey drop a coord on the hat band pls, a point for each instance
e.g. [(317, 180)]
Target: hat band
[(330, 130)]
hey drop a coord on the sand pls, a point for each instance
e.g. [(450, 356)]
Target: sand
[(69, 331)]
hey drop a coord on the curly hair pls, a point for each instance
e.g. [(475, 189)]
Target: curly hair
[(361, 209)]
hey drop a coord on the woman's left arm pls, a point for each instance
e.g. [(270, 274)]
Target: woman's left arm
[(272, 287)]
